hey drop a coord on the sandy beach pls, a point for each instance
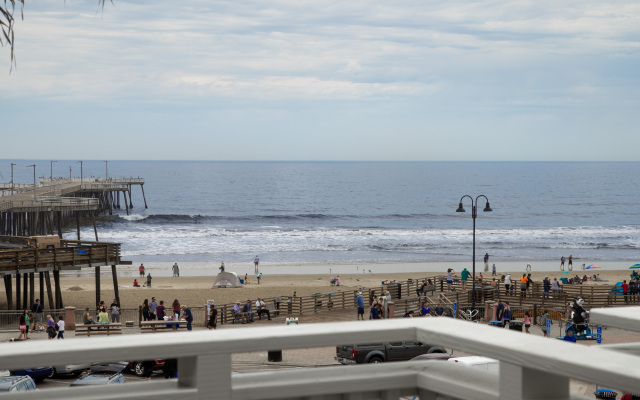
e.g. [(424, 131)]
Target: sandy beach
[(79, 288)]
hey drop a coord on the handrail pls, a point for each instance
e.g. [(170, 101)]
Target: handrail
[(531, 366)]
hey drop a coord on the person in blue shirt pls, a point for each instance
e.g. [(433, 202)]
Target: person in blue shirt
[(439, 310), (186, 313), (425, 311), (569, 337), (375, 311), (360, 302)]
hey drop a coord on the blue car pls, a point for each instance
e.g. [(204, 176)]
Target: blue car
[(38, 374)]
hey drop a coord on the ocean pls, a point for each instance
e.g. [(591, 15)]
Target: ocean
[(368, 212)]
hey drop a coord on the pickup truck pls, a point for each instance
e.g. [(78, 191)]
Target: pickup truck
[(382, 352)]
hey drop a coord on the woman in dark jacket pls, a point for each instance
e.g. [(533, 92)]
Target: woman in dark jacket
[(145, 310)]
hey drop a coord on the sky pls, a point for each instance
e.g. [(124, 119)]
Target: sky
[(323, 80)]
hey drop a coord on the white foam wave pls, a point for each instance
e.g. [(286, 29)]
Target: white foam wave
[(134, 217)]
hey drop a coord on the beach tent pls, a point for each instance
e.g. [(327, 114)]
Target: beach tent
[(227, 279)]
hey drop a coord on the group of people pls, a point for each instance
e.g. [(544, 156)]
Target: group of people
[(246, 314), (149, 277), (33, 320)]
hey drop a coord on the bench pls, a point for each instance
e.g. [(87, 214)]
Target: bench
[(99, 329), (162, 326)]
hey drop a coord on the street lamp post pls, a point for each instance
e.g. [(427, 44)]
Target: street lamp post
[(80, 173), (12, 164), (34, 179), (474, 214), (52, 169)]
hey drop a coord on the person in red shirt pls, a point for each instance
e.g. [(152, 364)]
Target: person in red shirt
[(625, 288)]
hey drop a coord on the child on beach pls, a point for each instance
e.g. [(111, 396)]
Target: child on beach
[(527, 321), (61, 327)]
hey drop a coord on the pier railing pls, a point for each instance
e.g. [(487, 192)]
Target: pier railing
[(531, 367)]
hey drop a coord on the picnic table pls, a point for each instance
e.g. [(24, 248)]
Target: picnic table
[(162, 326), (99, 329)]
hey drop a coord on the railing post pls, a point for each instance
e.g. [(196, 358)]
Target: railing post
[(208, 374), (520, 383)]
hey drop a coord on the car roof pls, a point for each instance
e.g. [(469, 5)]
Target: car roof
[(8, 381), (95, 379)]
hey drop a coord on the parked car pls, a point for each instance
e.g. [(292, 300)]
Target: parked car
[(433, 356), (102, 374), (137, 367), (17, 384), (383, 352), (38, 374), (483, 363), (71, 369)]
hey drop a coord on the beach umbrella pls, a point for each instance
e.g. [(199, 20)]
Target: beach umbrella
[(637, 266), (593, 266)]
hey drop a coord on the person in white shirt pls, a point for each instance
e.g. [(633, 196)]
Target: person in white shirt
[(60, 327), (256, 261), (261, 308), (507, 283)]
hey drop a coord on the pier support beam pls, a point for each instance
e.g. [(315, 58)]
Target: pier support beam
[(59, 223), (56, 281), (78, 223), (143, 197), (32, 289), (18, 291), (41, 287), (9, 290), (97, 286), (47, 278), (25, 290), (115, 284), (95, 230)]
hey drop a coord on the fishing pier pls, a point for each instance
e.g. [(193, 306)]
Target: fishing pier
[(32, 219)]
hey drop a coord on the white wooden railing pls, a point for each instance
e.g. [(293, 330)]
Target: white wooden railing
[(531, 367)]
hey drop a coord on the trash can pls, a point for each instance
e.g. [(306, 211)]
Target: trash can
[(274, 355), (515, 326)]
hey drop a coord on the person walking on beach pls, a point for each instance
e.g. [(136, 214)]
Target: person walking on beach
[(570, 263), (543, 322), (188, 317), (176, 270), (256, 262), (141, 269), (115, 311), (360, 303), (145, 310), (38, 311), (213, 318), (60, 327), (464, 275), (562, 263), (152, 309), (258, 277), (148, 284), (246, 279), (527, 322), (507, 283), (222, 266), (486, 262), (506, 315), (493, 271)]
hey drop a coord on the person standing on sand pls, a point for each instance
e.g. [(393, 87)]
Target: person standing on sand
[(141, 269), (360, 303), (486, 262), (464, 275), (570, 263), (176, 270), (222, 266), (256, 262), (246, 279), (148, 284), (507, 283), (562, 263), (258, 277), (493, 271)]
